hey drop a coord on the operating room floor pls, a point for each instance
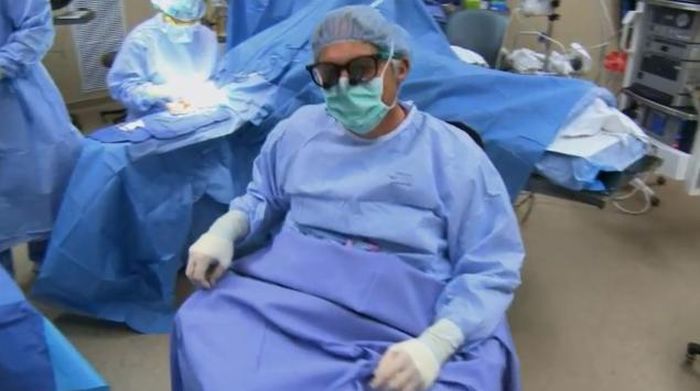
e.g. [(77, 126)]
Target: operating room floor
[(608, 302)]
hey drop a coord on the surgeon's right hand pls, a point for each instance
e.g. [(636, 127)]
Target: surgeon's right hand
[(179, 107), (210, 257), (159, 92)]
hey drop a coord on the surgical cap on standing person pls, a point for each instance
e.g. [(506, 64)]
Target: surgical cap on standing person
[(363, 24), (186, 10), (159, 62)]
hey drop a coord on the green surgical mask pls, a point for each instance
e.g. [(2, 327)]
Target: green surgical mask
[(358, 108)]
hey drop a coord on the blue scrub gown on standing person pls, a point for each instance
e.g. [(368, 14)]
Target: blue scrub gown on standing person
[(148, 56), (38, 144)]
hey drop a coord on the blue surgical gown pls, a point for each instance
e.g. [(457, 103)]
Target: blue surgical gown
[(425, 192), (149, 57), (38, 143)]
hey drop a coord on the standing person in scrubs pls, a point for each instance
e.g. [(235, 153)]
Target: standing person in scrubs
[(166, 62), (38, 143)]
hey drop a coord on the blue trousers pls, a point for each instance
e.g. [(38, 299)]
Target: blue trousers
[(6, 262), (37, 251)]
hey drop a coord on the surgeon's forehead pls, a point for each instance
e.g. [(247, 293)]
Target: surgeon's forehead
[(342, 52)]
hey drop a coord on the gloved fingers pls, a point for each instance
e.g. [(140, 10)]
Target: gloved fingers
[(191, 262), (190, 266), (407, 380), (190, 272), (179, 107), (216, 273), (198, 272), (390, 365)]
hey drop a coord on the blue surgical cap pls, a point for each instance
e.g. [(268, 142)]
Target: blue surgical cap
[(187, 10), (360, 23)]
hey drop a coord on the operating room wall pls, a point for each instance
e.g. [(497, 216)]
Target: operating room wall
[(62, 60), (581, 21)]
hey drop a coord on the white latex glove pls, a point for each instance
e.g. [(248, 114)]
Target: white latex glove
[(211, 255), (203, 95), (180, 107), (414, 365)]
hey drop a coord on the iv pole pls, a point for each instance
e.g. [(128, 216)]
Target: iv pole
[(552, 17)]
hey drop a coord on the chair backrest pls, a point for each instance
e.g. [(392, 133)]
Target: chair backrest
[(107, 59), (58, 4), (471, 132), (480, 31)]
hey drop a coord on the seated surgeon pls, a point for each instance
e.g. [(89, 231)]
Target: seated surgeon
[(166, 62), (395, 250)]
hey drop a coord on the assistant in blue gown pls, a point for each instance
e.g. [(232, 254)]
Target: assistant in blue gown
[(38, 143), (167, 53)]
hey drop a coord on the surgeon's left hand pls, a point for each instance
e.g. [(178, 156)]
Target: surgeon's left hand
[(414, 365), (406, 366), (204, 270), (180, 107)]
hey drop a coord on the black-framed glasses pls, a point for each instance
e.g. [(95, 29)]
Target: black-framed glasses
[(359, 70)]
